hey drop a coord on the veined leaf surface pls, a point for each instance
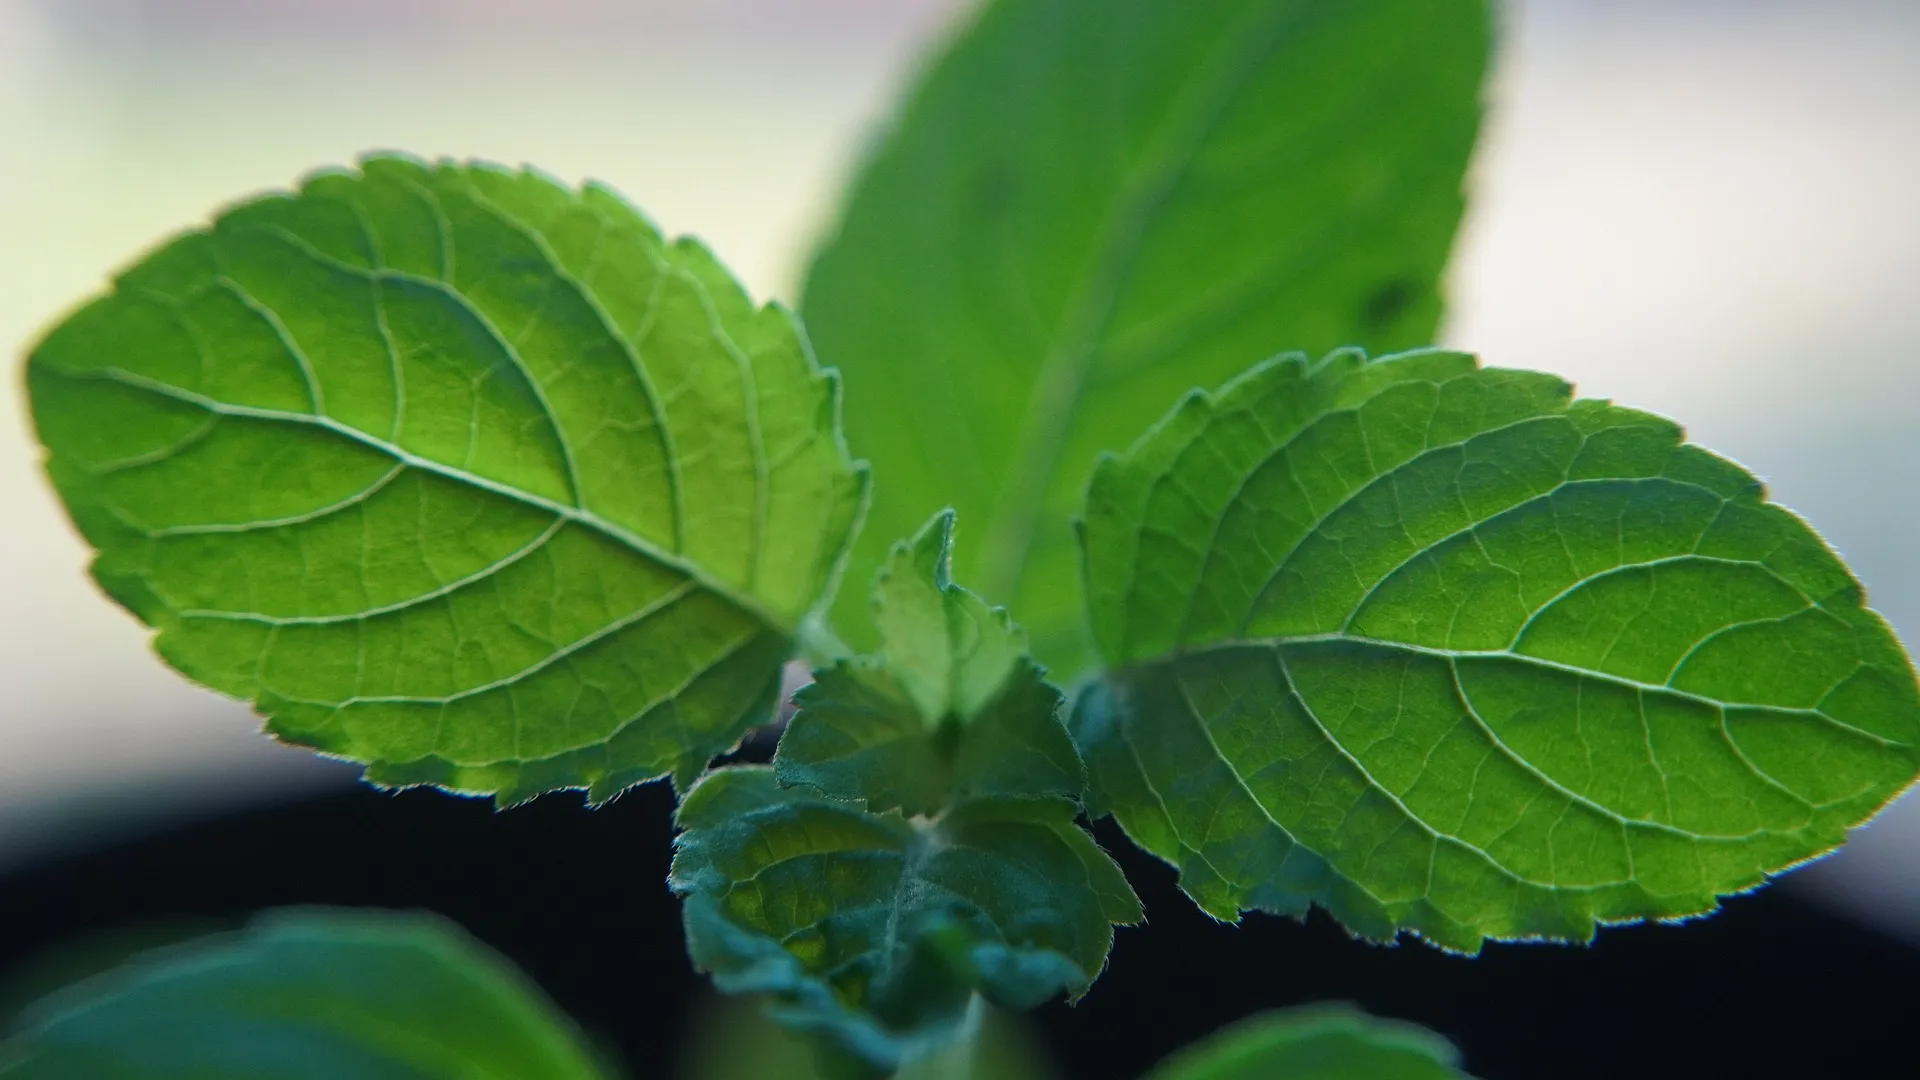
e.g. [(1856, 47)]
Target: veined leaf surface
[(1315, 1043), (1445, 651), (950, 709), (455, 473), (1089, 207), (305, 995), (873, 931)]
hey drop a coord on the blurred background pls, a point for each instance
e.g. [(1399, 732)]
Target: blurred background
[(125, 121), (1703, 208)]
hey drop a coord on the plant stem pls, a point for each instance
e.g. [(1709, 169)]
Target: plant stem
[(955, 1060), (819, 645)]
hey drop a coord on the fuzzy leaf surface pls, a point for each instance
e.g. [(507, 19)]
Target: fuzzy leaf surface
[(950, 709), (1445, 651), (305, 995), (1088, 207), (872, 931), (1315, 1043), (456, 473)]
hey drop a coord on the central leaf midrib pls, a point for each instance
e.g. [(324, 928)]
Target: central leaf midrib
[(659, 256), (577, 514), (445, 287), (1146, 344), (1057, 386), (915, 853), (1336, 638)]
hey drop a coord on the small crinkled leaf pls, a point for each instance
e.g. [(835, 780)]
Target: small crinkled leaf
[(305, 995), (951, 708), (946, 647), (1086, 208), (455, 473), (1445, 651), (873, 932), (1318, 1042)]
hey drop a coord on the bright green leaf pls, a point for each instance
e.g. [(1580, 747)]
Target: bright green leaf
[(949, 651), (455, 473), (1444, 651), (873, 932), (305, 995), (1089, 207), (951, 707), (1315, 1043)]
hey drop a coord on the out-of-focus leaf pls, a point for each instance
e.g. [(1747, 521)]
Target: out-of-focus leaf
[(873, 932), (738, 1041), (1443, 650), (1315, 1043), (950, 708), (455, 473), (305, 995), (1088, 207)]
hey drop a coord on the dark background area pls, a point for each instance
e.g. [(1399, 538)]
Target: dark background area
[(1770, 987)]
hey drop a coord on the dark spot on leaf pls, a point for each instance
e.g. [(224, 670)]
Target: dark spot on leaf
[(1386, 303)]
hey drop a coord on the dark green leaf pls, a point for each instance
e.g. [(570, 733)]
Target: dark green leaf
[(737, 1041), (1444, 651), (1089, 207), (455, 473), (874, 931), (951, 707), (1315, 1043), (305, 995)]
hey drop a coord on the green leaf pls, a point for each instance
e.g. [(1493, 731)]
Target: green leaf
[(1444, 651), (305, 995), (950, 709), (457, 474), (1089, 207), (1315, 1043), (872, 932), (736, 1041)]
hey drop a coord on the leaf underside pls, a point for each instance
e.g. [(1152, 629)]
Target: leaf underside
[(305, 995), (456, 473), (1089, 207), (872, 931), (1444, 651), (1317, 1042)]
